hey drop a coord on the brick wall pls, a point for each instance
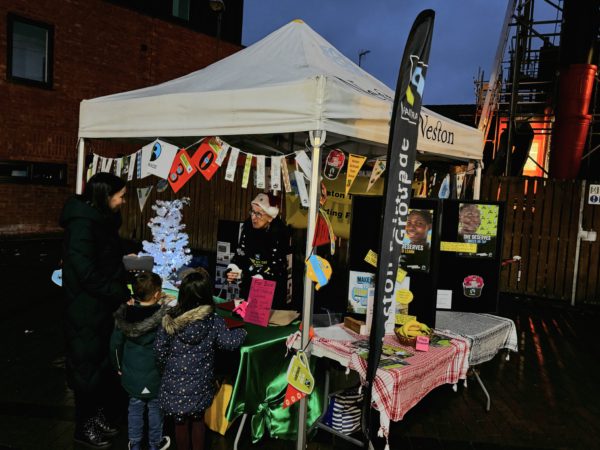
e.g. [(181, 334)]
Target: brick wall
[(99, 49)]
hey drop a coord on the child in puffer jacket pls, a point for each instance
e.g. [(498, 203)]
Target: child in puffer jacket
[(185, 353), (132, 354)]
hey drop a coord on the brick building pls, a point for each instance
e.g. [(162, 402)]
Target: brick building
[(55, 53)]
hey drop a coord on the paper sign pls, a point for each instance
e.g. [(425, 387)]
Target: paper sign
[(161, 159), (119, 167), (355, 162), (232, 164), (106, 164), (181, 170), (222, 154), (444, 299), (404, 296), (246, 174), (371, 258), (302, 192), (146, 154), (304, 163), (378, 169), (205, 158), (298, 374), (276, 173), (260, 171), (286, 175), (462, 247), (400, 275), (143, 194), (260, 299), (422, 344)]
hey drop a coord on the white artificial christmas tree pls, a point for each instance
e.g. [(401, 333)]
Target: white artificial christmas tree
[(169, 246)]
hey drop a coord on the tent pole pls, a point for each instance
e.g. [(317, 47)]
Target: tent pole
[(317, 138), (80, 166)]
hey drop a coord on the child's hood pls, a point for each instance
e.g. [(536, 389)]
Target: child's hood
[(136, 329), (190, 326)]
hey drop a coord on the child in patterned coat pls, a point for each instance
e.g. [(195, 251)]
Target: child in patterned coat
[(185, 353)]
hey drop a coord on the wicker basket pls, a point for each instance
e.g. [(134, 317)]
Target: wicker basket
[(409, 341)]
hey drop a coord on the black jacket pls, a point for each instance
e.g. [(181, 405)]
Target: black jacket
[(94, 284), (264, 252)]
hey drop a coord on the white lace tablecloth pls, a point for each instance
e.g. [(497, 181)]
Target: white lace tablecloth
[(487, 334)]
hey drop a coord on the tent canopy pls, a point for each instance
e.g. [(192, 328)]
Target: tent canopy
[(293, 80)]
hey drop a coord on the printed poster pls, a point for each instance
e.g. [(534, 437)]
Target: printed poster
[(416, 244), (478, 224)]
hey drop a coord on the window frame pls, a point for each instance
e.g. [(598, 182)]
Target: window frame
[(11, 18)]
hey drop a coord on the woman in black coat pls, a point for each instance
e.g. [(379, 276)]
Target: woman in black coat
[(95, 284)]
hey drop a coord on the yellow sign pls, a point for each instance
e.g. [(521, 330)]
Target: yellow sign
[(404, 296), (400, 275), (246, 174), (461, 247), (355, 162), (371, 258), (338, 206)]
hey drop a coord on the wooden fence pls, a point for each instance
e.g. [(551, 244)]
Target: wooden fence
[(541, 225)]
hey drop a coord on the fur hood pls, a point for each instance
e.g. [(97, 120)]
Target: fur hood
[(133, 330), (174, 325)]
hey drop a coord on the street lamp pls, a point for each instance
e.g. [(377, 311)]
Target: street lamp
[(218, 6)]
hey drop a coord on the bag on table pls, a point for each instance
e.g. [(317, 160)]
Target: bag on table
[(214, 416)]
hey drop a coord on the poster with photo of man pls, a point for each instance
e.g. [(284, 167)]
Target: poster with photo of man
[(416, 245), (478, 224)]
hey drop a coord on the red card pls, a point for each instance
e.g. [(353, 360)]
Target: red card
[(181, 170), (232, 323), (260, 299), (292, 395), (205, 158)]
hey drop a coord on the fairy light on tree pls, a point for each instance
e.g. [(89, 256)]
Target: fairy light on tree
[(169, 246)]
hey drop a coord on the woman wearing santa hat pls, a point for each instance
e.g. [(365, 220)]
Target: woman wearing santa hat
[(262, 250)]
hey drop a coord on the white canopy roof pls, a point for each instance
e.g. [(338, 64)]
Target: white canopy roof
[(293, 80)]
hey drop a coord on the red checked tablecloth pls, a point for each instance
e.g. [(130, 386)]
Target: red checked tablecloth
[(398, 390)]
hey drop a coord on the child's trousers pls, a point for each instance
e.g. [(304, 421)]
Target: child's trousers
[(135, 421)]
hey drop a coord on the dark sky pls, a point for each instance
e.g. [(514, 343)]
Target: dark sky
[(465, 38)]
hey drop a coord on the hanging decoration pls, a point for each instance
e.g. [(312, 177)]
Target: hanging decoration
[(95, 164), (246, 174), (118, 166), (232, 164), (355, 162), (304, 163), (378, 169), (260, 171), (169, 242), (131, 166), (318, 270), (222, 154), (334, 164), (300, 380), (106, 164), (276, 173), (181, 171), (142, 194), (160, 159), (205, 157), (286, 175), (302, 192)]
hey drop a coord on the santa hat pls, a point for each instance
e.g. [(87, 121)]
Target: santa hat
[(262, 201)]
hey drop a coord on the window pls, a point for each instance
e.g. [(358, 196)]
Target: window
[(29, 53), (181, 9)]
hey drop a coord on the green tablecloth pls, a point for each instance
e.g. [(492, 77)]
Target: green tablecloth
[(260, 384)]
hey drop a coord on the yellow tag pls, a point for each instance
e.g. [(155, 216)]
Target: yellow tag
[(401, 319), (371, 258), (299, 375), (404, 296), (462, 247), (400, 275)]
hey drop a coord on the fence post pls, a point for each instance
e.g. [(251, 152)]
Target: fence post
[(578, 244)]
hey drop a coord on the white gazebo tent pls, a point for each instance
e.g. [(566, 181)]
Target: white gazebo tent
[(292, 81)]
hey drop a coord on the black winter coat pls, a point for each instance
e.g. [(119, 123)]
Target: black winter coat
[(94, 284), (185, 353)]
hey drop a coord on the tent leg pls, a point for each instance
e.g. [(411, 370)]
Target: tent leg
[(80, 166), (317, 139)]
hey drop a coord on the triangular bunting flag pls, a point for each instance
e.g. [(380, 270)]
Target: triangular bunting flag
[(378, 169), (292, 395), (143, 194), (355, 162)]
